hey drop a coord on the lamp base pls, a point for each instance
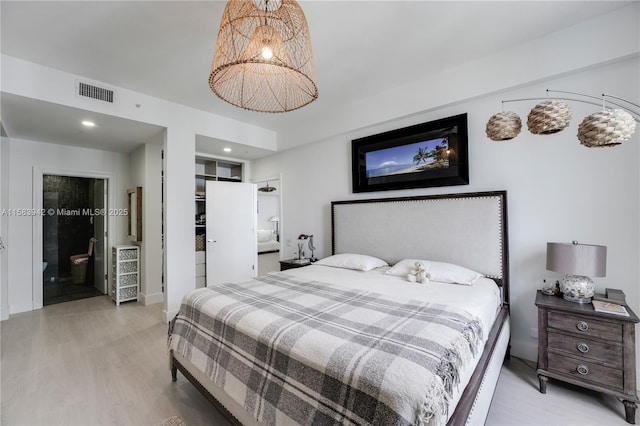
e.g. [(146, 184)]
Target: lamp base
[(577, 288), (576, 299)]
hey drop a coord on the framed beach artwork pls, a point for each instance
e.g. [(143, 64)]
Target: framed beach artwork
[(424, 155)]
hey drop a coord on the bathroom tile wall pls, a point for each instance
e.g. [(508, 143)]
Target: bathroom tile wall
[(67, 227)]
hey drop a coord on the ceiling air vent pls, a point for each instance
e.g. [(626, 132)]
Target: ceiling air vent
[(95, 92)]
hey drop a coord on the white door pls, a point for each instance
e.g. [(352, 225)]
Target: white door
[(232, 245), (100, 234)]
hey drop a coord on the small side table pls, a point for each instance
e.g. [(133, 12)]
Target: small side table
[(591, 349), (293, 263)]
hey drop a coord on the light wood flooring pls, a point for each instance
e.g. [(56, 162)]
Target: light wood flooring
[(89, 362)]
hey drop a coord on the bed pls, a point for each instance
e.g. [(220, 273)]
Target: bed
[(267, 242), (328, 344)]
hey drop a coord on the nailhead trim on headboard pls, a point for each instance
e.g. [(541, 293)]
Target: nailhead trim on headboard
[(467, 229)]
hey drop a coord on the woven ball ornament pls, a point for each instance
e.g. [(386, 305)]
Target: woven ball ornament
[(606, 128), (549, 117), (503, 126)]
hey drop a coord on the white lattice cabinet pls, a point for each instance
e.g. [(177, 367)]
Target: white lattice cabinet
[(126, 273)]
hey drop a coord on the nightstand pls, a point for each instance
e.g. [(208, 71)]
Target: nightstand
[(587, 348), (293, 263)]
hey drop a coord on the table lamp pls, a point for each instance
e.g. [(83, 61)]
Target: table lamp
[(276, 220), (578, 262)]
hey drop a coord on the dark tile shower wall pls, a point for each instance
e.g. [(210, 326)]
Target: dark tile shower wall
[(71, 194)]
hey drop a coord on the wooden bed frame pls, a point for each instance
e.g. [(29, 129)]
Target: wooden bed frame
[(468, 229)]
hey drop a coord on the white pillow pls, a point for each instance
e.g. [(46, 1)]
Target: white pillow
[(438, 271), (360, 262), (265, 235)]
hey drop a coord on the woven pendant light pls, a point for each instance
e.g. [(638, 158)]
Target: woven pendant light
[(263, 59), (549, 117), (606, 128), (503, 126)]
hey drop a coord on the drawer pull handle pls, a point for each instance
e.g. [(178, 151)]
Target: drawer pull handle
[(583, 347), (582, 369), (582, 326)]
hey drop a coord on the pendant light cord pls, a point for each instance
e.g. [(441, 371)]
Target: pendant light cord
[(266, 10)]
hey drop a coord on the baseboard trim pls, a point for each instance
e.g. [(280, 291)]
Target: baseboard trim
[(525, 348), (168, 315), (151, 299), (18, 309)]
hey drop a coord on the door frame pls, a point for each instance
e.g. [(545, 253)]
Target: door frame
[(104, 276), (38, 173), (278, 178), (4, 225)]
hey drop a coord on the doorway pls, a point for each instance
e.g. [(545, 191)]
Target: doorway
[(269, 225), (72, 227)]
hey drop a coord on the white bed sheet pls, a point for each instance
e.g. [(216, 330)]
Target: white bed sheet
[(482, 299)]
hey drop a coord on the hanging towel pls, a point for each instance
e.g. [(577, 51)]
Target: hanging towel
[(91, 242), (79, 259)]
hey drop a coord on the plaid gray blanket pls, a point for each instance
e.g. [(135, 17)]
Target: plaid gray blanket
[(309, 353)]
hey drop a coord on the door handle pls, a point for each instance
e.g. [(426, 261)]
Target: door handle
[(211, 241)]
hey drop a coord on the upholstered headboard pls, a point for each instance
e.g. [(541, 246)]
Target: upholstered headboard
[(469, 230)]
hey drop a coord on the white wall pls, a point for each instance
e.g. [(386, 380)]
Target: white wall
[(146, 172), (27, 156), (153, 221), (557, 189), (602, 39), (23, 78)]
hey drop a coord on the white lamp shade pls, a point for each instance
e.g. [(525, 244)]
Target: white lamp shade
[(577, 259)]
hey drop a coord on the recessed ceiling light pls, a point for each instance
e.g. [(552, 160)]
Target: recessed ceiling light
[(227, 150), (88, 123)]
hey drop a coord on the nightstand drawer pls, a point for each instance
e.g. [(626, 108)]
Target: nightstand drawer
[(581, 369), (586, 326), (609, 353)]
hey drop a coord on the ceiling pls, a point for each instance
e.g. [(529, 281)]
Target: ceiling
[(165, 48), (36, 120)]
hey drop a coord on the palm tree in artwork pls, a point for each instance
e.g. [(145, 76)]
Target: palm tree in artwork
[(421, 155), (444, 152), (440, 153)]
